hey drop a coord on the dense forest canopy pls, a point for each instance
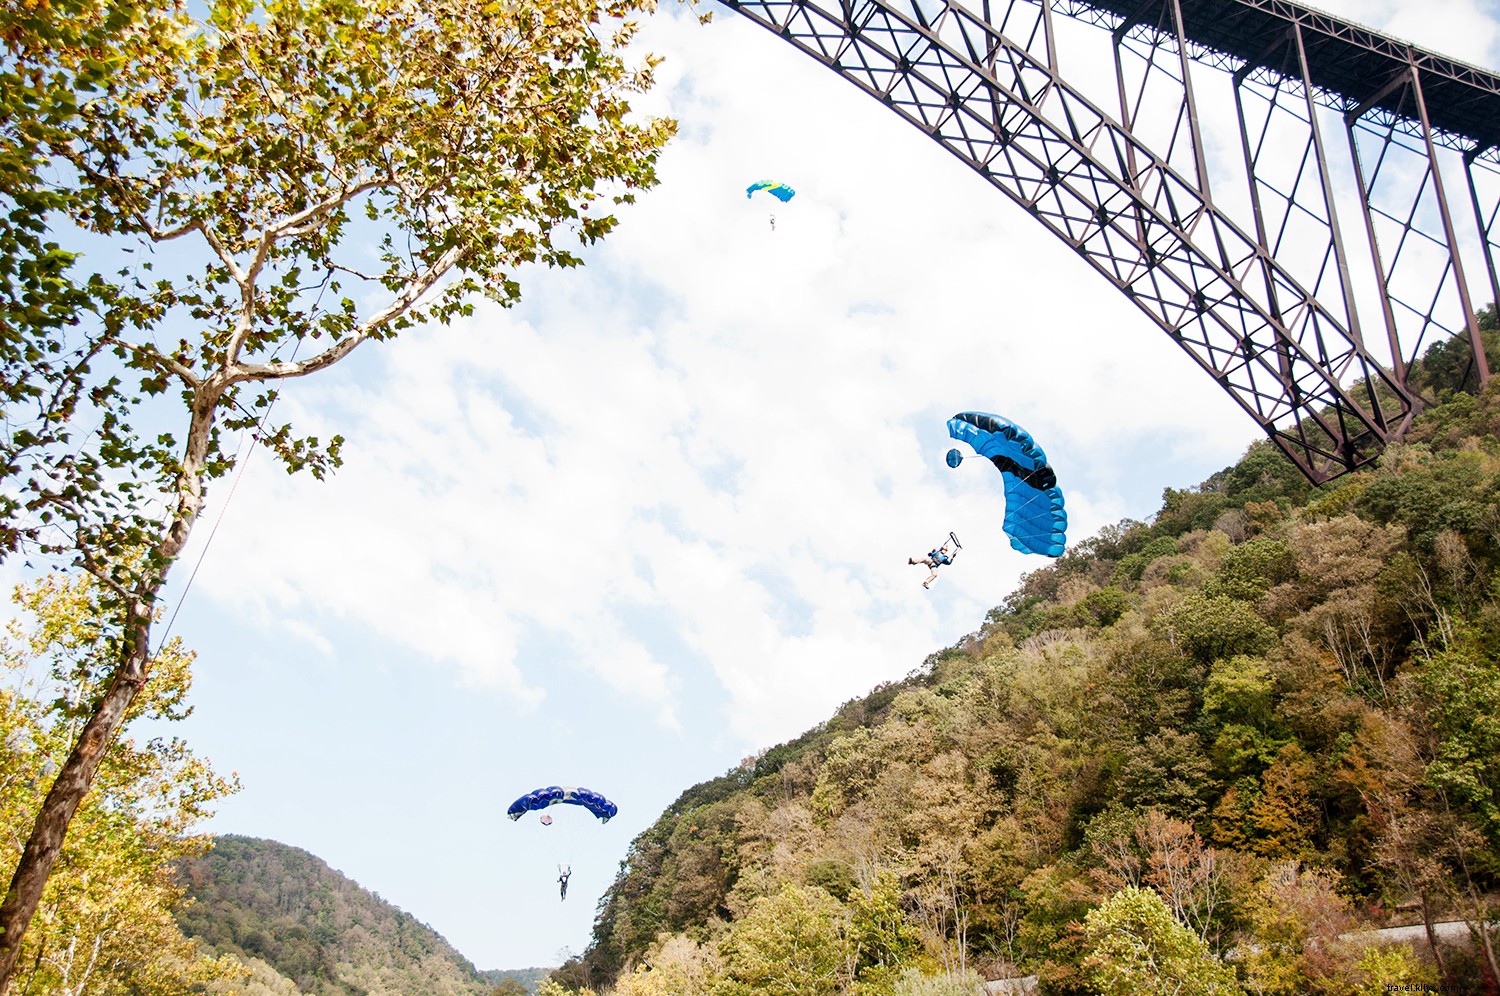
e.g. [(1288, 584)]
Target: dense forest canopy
[(1188, 756)]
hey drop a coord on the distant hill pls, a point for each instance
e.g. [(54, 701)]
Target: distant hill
[(531, 978), (305, 928)]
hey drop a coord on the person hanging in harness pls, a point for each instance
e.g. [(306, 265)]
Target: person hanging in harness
[(562, 878), (940, 557)]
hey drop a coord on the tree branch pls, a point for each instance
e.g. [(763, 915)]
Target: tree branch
[(69, 376), (156, 234), (286, 225), (225, 256), (152, 355), (292, 226), (358, 274), (403, 303), (97, 571)]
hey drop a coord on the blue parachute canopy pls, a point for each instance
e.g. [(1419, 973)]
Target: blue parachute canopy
[(1034, 517), (780, 191), (954, 458), (553, 794)]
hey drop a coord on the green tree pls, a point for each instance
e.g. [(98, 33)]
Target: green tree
[(1239, 699), (1133, 565), (551, 988), (1211, 627), (338, 171), (1462, 703), (1251, 569), (1392, 968), (1056, 901), (1157, 683), (1168, 771), (1185, 511), (1448, 364), (1450, 494), (1296, 915), (1105, 606), (105, 921), (1239, 690), (789, 944), (677, 967), (1461, 693), (55, 54), (1137, 949), (882, 938)]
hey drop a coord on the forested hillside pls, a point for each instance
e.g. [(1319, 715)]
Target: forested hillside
[(313, 930), (1189, 756)]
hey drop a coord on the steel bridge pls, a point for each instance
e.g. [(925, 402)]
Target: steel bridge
[(1241, 257)]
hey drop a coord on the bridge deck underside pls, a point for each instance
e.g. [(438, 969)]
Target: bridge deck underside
[(1346, 61)]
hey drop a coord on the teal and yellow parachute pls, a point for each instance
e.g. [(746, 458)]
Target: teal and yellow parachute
[(1035, 519), (552, 795), (780, 191)]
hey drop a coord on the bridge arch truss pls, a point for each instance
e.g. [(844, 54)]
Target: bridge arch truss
[(1256, 284)]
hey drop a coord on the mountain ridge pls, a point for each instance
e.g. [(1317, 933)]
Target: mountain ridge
[(298, 922)]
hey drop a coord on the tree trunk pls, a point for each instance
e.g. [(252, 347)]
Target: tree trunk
[(1486, 944), (129, 677), (63, 799), (1432, 943)]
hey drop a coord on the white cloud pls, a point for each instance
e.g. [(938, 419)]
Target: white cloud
[(712, 450)]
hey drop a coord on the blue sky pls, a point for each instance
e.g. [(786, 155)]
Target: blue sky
[(657, 517)]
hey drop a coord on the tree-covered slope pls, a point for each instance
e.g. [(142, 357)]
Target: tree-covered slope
[(1219, 741), (264, 901)]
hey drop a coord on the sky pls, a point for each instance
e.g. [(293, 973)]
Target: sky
[(656, 518)]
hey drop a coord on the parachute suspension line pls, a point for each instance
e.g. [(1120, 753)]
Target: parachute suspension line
[(240, 464), (953, 540), (780, 191), (552, 844), (211, 533), (542, 799)]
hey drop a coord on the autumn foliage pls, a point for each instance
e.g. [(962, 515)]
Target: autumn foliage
[(1205, 754)]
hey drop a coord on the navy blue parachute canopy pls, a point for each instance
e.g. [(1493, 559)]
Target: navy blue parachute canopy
[(1034, 517), (553, 794)]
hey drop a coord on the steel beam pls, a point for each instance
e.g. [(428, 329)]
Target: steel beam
[(1001, 105), (1424, 288)]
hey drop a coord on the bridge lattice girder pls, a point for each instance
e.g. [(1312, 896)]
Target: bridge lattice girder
[(986, 86)]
